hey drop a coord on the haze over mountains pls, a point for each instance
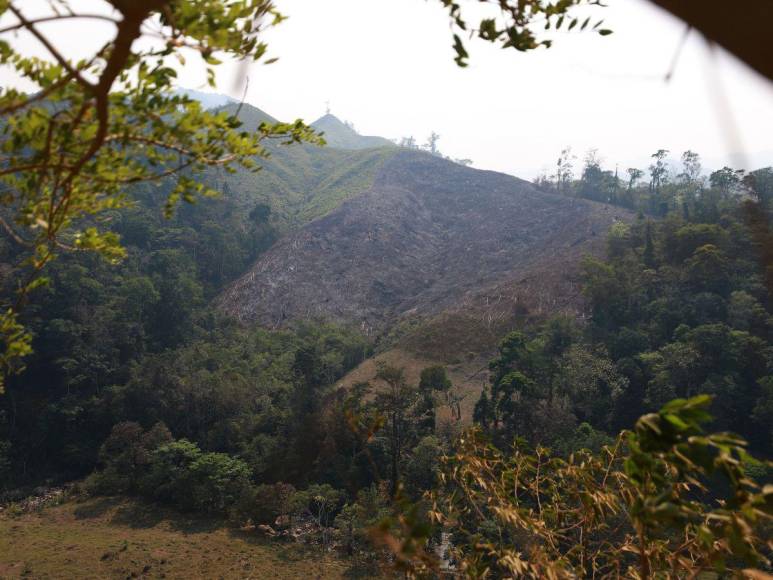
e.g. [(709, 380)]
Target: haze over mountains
[(388, 238)]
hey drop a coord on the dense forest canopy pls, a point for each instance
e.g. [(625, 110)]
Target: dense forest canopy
[(134, 384)]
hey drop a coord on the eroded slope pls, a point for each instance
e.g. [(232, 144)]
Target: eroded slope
[(426, 235)]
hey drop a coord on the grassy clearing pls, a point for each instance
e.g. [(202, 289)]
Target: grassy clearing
[(468, 376), (123, 538)]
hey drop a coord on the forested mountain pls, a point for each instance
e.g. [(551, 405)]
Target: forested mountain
[(220, 337), (245, 358)]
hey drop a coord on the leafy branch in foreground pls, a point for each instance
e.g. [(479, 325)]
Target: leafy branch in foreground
[(95, 126), (516, 24), (666, 501)]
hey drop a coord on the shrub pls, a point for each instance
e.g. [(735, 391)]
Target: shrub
[(181, 474), (218, 481), (126, 455), (169, 476), (264, 504)]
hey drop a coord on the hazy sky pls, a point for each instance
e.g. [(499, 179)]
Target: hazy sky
[(387, 66)]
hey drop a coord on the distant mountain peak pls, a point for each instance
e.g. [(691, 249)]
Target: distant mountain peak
[(250, 116), (330, 118), (342, 135), (207, 100), (423, 236)]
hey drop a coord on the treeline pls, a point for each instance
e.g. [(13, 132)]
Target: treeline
[(136, 381), (430, 146), (660, 189), (308, 452), (96, 324), (619, 446), (681, 306)]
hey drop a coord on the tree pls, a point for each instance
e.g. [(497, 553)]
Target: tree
[(591, 181), (394, 401), (634, 175), (97, 125), (126, 455), (431, 144), (665, 500), (691, 167), (421, 470), (726, 180), (521, 23), (648, 256), (658, 170), (564, 175)]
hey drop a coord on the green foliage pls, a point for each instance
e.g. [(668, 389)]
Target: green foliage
[(95, 126), (177, 472), (17, 345), (264, 503), (544, 385), (353, 530), (422, 467), (515, 24), (322, 501), (687, 315), (217, 481), (434, 378), (665, 500), (126, 456)]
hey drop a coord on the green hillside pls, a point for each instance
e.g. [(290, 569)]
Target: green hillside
[(342, 136), (301, 182)]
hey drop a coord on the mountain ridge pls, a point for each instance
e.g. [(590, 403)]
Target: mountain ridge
[(424, 235), (342, 136)]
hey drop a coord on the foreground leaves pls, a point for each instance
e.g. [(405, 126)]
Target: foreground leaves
[(666, 501), (94, 127)]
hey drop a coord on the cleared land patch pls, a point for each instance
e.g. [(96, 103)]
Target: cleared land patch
[(124, 538)]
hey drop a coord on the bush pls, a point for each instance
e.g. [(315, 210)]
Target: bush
[(181, 474), (126, 455), (264, 504), (169, 476), (321, 502), (218, 481)]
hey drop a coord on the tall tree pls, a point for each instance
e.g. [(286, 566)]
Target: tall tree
[(431, 144), (634, 175), (393, 401), (658, 170), (691, 168), (564, 170), (96, 125)]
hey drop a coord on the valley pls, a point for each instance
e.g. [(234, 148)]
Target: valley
[(326, 342)]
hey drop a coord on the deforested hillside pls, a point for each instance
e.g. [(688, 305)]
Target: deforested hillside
[(427, 235)]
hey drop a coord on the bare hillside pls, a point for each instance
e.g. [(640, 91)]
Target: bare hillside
[(426, 235)]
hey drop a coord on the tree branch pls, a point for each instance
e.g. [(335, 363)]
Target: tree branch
[(58, 17), (50, 47)]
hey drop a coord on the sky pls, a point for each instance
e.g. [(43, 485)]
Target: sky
[(387, 66)]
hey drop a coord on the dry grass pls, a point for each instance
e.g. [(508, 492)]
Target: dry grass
[(468, 376), (123, 538)]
